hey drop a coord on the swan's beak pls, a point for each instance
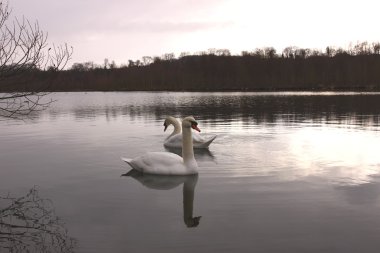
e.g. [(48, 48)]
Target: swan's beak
[(195, 127), (193, 222), (166, 126)]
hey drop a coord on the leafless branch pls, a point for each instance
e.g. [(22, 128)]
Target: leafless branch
[(29, 224), (23, 50)]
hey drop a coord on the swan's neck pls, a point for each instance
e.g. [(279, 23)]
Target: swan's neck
[(187, 148), (177, 127)]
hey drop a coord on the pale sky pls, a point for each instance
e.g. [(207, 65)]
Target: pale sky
[(129, 29)]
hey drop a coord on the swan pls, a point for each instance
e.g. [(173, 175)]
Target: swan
[(166, 163), (174, 140)]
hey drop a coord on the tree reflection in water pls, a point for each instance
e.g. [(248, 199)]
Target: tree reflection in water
[(29, 224)]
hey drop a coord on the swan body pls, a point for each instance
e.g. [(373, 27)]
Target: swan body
[(174, 140), (166, 163)]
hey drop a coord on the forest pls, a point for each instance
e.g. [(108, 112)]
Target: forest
[(263, 69)]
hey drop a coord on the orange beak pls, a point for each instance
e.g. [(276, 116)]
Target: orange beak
[(195, 127)]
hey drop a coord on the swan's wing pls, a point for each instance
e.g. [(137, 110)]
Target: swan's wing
[(197, 137), (158, 163), (203, 141), (127, 160), (199, 141), (174, 141)]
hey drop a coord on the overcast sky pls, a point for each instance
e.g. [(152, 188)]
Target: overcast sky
[(129, 29)]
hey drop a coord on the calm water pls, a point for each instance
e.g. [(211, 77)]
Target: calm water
[(288, 172)]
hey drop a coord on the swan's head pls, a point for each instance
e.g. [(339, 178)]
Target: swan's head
[(190, 122), (169, 121), (193, 222)]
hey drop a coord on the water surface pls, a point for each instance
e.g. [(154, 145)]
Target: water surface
[(288, 172)]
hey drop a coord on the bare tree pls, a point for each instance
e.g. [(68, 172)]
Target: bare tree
[(24, 49), (289, 52), (168, 57), (269, 52), (113, 65), (246, 53), (183, 54), (376, 47), (223, 52), (29, 224), (106, 63), (146, 60), (258, 52)]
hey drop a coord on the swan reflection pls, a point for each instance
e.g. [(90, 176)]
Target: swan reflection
[(162, 182), (29, 224)]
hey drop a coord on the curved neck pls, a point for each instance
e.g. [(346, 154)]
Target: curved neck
[(187, 148), (177, 126)]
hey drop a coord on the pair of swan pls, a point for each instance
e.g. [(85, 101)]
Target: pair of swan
[(174, 140), (165, 163)]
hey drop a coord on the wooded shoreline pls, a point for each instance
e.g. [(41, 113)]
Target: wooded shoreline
[(293, 70)]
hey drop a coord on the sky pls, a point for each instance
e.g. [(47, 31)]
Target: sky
[(120, 30)]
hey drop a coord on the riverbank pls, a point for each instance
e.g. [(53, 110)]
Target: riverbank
[(342, 72)]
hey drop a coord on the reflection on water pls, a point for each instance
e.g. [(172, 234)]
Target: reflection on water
[(29, 224), (363, 193), (162, 182), (295, 172), (342, 156), (298, 135), (250, 108)]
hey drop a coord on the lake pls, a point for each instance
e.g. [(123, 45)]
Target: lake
[(288, 172)]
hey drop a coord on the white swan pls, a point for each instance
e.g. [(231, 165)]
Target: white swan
[(174, 140), (166, 163)]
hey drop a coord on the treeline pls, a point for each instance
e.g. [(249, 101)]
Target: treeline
[(355, 68)]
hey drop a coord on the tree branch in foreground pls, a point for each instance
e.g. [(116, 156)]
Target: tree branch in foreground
[(29, 224), (24, 51)]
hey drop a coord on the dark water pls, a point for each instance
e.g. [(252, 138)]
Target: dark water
[(288, 172)]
